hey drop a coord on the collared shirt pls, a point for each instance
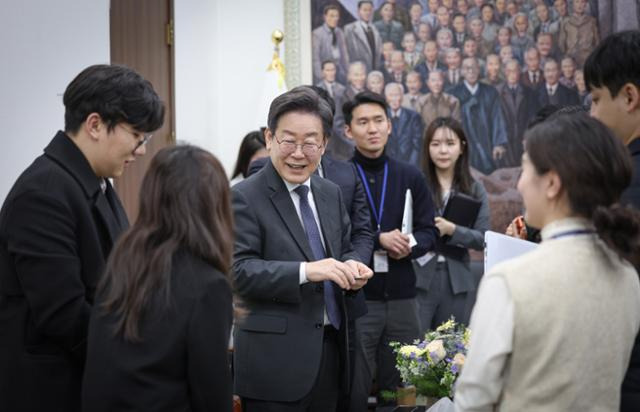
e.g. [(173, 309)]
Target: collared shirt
[(472, 89), (329, 87), (295, 198), (396, 113), (552, 89)]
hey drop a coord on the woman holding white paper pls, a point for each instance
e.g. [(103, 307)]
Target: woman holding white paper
[(552, 330), (444, 282)]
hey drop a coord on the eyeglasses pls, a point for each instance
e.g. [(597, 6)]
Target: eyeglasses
[(289, 146), (141, 141)]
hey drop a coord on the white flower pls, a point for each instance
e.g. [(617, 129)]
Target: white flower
[(436, 350), (458, 360)]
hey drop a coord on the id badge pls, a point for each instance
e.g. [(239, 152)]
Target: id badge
[(380, 261)]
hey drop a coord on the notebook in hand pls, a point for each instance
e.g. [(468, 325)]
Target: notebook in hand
[(462, 209)]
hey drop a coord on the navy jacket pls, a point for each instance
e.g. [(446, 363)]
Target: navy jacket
[(400, 281)]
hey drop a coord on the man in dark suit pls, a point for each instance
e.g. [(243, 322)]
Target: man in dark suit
[(57, 227), (552, 91), (398, 72), (294, 268), (611, 75), (519, 105), (532, 75), (429, 64), (329, 44), (405, 141)]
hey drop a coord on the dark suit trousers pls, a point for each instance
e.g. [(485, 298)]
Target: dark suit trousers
[(323, 396)]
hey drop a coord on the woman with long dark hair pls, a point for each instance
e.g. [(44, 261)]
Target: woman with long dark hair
[(252, 147), (159, 331), (445, 283), (553, 329)]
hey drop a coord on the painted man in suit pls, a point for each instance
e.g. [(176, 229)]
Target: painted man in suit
[(552, 91), (437, 103), (413, 98), (532, 75), (398, 72), (57, 227), (329, 82), (405, 141), (429, 64), (519, 105), (294, 267), (453, 75), (356, 78), (363, 40), (329, 44), (482, 119), (389, 29)]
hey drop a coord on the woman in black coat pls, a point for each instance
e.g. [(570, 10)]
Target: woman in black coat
[(159, 332)]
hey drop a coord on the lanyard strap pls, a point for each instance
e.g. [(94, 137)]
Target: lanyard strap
[(572, 233), (377, 215)]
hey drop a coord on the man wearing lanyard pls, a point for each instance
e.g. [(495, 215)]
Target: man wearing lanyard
[(391, 292)]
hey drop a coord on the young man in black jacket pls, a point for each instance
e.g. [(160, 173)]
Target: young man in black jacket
[(390, 294), (611, 75)]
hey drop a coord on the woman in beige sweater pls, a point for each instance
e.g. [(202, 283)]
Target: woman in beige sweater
[(553, 329)]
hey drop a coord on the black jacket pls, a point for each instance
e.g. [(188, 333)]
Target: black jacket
[(400, 281), (182, 361), (56, 229)]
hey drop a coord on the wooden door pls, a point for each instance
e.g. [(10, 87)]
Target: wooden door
[(141, 33)]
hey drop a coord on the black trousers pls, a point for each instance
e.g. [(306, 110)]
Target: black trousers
[(323, 396)]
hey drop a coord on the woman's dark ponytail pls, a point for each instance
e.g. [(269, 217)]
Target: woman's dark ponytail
[(619, 227)]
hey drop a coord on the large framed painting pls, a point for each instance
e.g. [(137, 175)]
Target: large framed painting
[(491, 65)]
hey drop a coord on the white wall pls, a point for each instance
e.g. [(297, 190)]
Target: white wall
[(44, 45), (222, 51)]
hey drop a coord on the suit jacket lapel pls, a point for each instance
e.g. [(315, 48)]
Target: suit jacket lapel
[(363, 37), (284, 206), (107, 216)]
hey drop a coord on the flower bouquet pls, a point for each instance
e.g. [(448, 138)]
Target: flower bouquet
[(433, 365)]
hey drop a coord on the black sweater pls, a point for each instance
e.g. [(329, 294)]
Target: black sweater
[(400, 281)]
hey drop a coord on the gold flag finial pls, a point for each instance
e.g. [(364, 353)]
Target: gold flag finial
[(277, 36)]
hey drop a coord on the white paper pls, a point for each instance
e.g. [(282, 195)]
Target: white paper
[(407, 216), (424, 259), (499, 247), (380, 261)]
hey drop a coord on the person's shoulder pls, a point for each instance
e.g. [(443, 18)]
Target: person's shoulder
[(197, 276), (404, 168), (44, 177)]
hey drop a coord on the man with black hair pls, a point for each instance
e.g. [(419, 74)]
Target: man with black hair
[(329, 44), (57, 227), (611, 75), (390, 294)]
